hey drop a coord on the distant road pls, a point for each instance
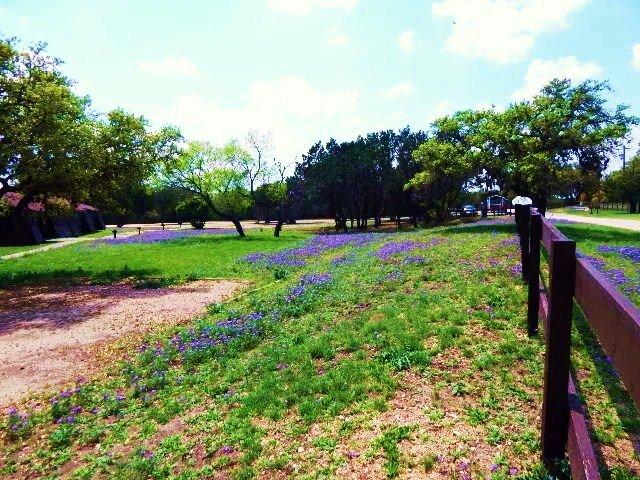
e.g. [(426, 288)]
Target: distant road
[(605, 222)]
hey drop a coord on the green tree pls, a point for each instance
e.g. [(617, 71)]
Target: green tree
[(624, 185), (208, 172), (125, 154), (563, 126), (44, 126), (446, 169)]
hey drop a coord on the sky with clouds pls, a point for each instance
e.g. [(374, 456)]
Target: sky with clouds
[(308, 70)]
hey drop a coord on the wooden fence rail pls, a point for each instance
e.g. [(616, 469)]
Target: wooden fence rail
[(613, 318)]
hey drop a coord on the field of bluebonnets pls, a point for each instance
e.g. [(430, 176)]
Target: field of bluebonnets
[(368, 355)]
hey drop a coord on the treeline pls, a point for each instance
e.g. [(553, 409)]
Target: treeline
[(363, 180), (621, 186), (54, 146), (554, 146)]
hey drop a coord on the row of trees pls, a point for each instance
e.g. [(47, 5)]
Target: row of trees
[(54, 145), (556, 145), (624, 186), (362, 179)]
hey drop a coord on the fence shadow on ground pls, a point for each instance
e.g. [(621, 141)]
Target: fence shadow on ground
[(617, 393)]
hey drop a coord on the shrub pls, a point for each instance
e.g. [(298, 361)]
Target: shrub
[(193, 210), (58, 207)]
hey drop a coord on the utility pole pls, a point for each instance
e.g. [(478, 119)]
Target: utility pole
[(625, 142)]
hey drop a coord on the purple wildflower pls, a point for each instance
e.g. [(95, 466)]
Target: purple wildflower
[(394, 275), (414, 260), (146, 454), (155, 236), (515, 240), (390, 249), (516, 270), (630, 252), (227, 450), (316, 246)]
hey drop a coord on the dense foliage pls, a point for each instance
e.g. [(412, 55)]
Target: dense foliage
[(54, 145), (624, 185), (363, 179)]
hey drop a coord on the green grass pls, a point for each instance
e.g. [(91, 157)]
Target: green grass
[(589, 237), (393, 367), (205, 256), (603, 213), (8, 250)]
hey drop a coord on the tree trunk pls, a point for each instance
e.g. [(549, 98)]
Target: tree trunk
[(238, 225), (276, 232), (541, 203)]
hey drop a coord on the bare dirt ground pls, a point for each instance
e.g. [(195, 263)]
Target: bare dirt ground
[(51, 335)]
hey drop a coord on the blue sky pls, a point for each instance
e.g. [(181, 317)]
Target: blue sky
[(307, 70)]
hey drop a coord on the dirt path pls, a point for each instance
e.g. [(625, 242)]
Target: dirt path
[(52, 335), (605, 222)]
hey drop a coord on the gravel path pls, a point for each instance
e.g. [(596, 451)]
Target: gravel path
[(52, 335), (605, 222)]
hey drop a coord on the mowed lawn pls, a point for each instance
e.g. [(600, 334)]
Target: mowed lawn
[(602, 213), (383, 355), (203, 256)]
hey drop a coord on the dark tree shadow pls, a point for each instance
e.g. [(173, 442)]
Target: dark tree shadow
[(57, 307)]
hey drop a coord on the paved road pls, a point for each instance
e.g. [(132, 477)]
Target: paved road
[(605, 222)]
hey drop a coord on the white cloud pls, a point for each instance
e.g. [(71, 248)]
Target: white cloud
[(502, 31), (407, 41), (290, 107), (635, 61), (337, 39), (541, 72), (403, 89), (439, 110), (305, 7), (179, 66)]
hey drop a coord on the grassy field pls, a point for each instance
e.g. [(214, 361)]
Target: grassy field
[(8, 250), (381, 355), (206, 256), (622, 265), (603, 213)]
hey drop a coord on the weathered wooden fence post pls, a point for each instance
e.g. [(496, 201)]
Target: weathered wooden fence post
[(522, 224), (533, 305), (555, 405)]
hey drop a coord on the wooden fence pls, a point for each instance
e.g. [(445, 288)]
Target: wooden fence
[(612, 317)]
